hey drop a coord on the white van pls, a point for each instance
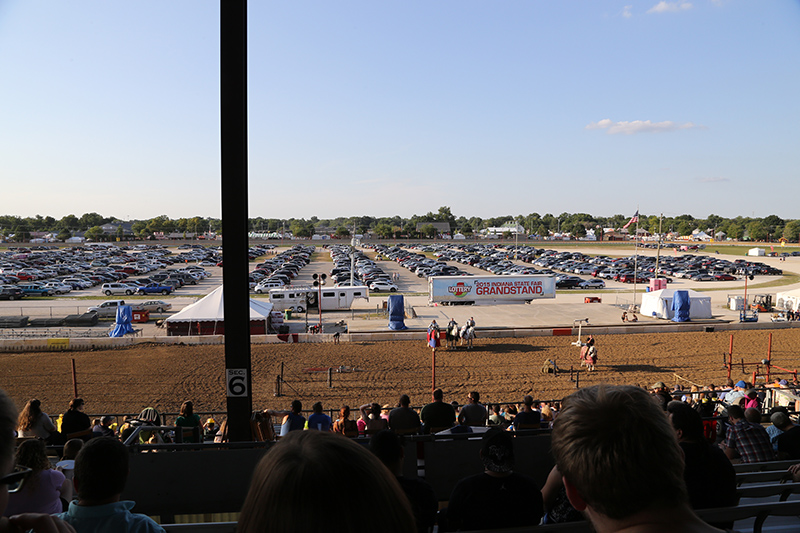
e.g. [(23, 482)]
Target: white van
[(299, 299)]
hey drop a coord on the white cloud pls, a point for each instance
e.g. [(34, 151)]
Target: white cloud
[(714, 179), (638, 126), (626, 12), (670, 7)]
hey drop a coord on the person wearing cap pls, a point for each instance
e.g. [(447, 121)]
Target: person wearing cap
[(660, 394), (783, 397), (476, 499), (778, 422), (738, 392)]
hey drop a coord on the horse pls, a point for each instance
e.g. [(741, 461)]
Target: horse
[(467, 334), (589, 357)]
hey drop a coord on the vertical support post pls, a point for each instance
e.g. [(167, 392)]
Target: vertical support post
[(730, 357), (330, 377), (233, 144), (74, 380), (433, 371)]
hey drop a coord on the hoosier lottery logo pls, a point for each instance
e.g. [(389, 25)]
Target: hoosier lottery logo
[(459, 290)]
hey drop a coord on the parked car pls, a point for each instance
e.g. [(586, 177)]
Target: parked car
[(569, 282), (117, 288), (155, 288), (383, 286), (109, 308), (11, 293), (34, 289), (58, 288), (593, 284), (158, 306), (724, 277)]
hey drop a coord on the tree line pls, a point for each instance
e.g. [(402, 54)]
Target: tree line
[(770, 228)]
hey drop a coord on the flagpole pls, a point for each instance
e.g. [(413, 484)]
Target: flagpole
[(635, 258)]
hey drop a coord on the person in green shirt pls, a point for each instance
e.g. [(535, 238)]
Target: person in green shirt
[(188, 419)]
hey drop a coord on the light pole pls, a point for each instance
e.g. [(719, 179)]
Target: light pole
[(319, 281)]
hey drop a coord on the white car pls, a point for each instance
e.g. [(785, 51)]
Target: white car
[(266, 285), (58, 288), (383, 286), (118, 288)]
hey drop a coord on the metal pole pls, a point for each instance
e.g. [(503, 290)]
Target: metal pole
[(433, 372), (233, 144), (74, 381), (635, 258), (658, 250)]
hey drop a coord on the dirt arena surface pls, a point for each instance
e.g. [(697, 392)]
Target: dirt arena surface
[(126, 380)]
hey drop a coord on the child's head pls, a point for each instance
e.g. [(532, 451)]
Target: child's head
[(71, 448)]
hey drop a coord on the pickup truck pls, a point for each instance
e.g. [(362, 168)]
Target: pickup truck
[(108, 309), (155, 288)]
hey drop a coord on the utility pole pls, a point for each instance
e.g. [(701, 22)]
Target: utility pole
[(658, 250)]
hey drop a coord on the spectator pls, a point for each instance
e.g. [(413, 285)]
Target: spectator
[(496, 418), (437, 414), (76, 421), (751, 401), (403, 419), (547, 415), (661, 395), (510, 414), (35, 423), (44, 486), (779, 416), (14, 479), (622, 479), (476, 499), (556, 504), (372, 418), (708, 473), (387, 446), (190, 420), (101, 471), (293, 485), (527, 418), (733, 397), (745, 440), (210, 429), (344, 425), (104, 429), (67, 465), (319, 420), (294, 420), (789, 440), (474, 412)]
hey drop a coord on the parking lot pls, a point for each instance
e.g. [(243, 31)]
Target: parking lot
[(413, 286)]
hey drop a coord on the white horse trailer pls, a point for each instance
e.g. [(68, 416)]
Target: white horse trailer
[(299, 299)]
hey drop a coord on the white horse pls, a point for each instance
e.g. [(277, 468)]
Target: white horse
[(589, 357), (467, 335)]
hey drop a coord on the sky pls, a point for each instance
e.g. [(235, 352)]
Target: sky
[(358, 107)]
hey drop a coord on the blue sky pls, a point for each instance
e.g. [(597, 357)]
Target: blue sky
[(396, 108)]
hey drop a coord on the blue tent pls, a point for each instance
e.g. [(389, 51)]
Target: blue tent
[(124, 319), (681, 305), (397, 312)]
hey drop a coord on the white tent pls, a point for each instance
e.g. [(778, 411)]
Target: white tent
[(659, 304), (208, 314), (789, 300)]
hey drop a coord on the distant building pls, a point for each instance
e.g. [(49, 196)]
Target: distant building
[(440, 227), (509, 227), (112, 228)]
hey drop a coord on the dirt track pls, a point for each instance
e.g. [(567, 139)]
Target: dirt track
[(125, 381)]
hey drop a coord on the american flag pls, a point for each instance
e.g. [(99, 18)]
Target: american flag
[(634, 219)]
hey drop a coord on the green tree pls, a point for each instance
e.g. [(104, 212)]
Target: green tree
[(735, 231), (428, 231), (791, 231), (342, 232), (63, 235), (757, 230), (684, 227), (95, 233), (69, 222), (88, 220), (384, 231)]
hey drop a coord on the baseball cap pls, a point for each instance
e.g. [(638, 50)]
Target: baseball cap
[(741, 384), (779, 419), (783, 382), (658, 385), (497, 451)]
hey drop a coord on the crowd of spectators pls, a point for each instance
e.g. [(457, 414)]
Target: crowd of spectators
[(686, 439)]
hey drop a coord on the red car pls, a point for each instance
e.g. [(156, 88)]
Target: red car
[(724, 277)]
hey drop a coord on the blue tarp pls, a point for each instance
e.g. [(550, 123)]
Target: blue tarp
[(680, 305), (124, 319), (397, 312)]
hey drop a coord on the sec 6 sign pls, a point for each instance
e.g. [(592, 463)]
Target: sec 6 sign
[(236, 382)]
